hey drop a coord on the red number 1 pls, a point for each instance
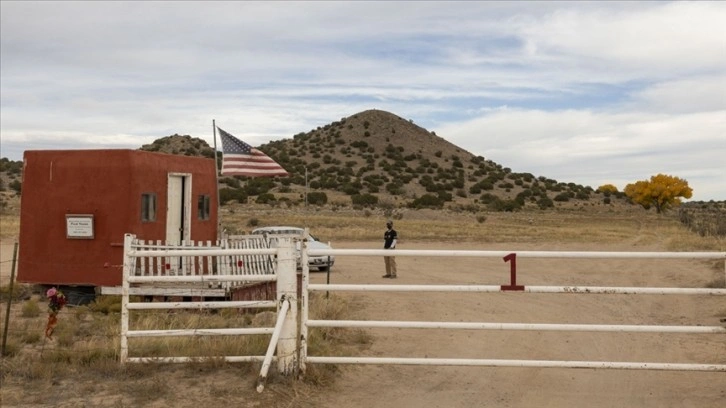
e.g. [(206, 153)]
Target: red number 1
[(512, 259)]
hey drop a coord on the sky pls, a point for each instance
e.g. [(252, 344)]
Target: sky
[(592, 93)]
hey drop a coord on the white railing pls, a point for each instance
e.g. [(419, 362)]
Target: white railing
[(284, 335), (512, 286)]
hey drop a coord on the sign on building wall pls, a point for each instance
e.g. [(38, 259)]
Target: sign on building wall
[(79, 226)]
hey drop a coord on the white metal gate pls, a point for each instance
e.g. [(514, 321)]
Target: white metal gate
[(512, 286)]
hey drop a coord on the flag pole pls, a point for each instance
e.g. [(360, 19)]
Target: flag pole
[(216, 178)]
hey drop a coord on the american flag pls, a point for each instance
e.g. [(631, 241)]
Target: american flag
[(241, 159)]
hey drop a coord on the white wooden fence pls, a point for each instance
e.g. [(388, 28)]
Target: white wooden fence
[(290, 334)]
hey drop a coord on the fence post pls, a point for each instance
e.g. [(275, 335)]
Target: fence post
[(128, 264), (287, 290)]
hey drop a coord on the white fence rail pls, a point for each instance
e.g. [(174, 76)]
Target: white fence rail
[(227, 265), (509, 256)]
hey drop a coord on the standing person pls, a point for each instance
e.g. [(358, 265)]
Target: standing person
[(390, 237)]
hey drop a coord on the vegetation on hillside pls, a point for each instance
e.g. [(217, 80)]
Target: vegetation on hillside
[(705, 218)]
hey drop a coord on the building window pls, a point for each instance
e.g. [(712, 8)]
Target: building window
[(148, 207), (203, 207)]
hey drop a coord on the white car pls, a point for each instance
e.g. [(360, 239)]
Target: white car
[(321, 263)]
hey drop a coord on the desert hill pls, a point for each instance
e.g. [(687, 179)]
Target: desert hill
[(378, 158)]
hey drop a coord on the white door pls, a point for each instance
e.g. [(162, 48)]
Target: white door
[(178, 212)]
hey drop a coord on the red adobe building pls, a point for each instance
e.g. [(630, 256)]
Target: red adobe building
[(76, 206)]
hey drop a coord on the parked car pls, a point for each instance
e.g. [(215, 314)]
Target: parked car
[(321, 263)]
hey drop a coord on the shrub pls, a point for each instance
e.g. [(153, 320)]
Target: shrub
[(545, 202), (16, 186), (229, 194), (364, 200), (265, 198), (317, 198), (427, 201)]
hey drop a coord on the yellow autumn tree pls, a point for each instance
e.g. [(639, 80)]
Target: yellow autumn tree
[(661, 191), (607, 189)]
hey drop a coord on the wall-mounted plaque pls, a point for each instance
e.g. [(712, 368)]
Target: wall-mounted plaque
[(79, 226)]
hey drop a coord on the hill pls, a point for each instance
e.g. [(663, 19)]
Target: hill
[(376, 158), (377, 153)]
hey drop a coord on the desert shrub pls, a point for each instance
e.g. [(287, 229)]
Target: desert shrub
[(582, 195), (545, 202), (229, 194), (481, 219), (364, 199), (16, 186), (504, 205), (427, 201), (317, 198), (265, 198)]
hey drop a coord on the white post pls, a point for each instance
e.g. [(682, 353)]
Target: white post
[(127, 267), (305, 302), (287, 290)]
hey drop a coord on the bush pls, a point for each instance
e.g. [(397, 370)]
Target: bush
[(229, 194), (16, 186), (545, 202), (265, 198), (364, 199), (317, 198), (427, 201)]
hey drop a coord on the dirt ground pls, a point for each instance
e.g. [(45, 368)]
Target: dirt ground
[(451, 386)]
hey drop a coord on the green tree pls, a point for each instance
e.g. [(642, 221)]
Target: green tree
[(661, 191)]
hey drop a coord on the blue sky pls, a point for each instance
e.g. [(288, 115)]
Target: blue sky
[(586, 92)]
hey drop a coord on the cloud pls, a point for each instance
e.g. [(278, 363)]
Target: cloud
[(600, 90), (595, 148)]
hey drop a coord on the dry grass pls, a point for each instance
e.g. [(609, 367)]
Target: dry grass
[(9, 226), (84, 349), (631, 225)]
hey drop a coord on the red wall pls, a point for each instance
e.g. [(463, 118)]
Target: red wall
[(107, 184)]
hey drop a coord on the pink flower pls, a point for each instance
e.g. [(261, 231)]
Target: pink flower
[(51, 292)]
